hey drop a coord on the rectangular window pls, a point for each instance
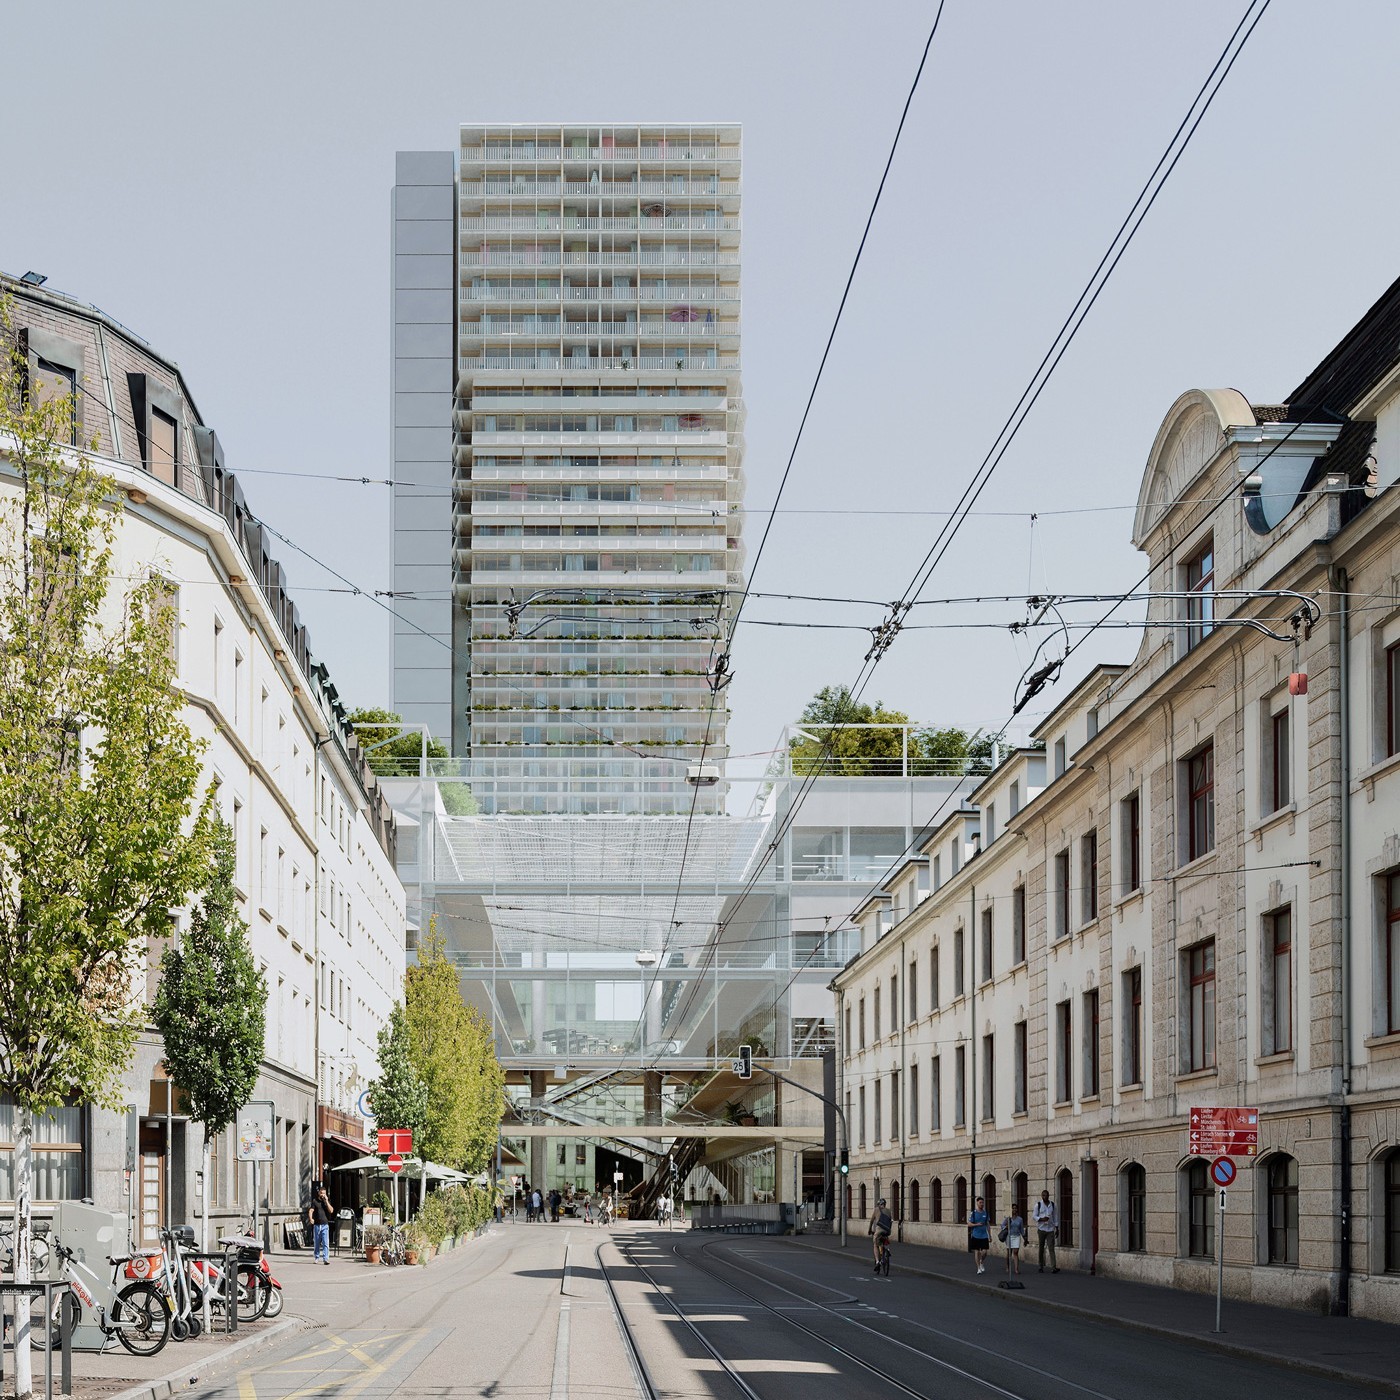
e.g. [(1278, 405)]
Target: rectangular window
[(989, 1078), (875, 1092), (1278, 935), (1390, 962), (1018, 925), (912, 982), (58, 384), (987, 944), (1132, 842), (1392, 700), (958, 987), (1200, 1227), (848, 1031), (58, 1136), (164, 447), (877, 1011), (894, 1001), (1200, 798), (894, 1106), (1198, 576), (960, 1086), (1132, 1026), (1022, 1046), (1060, 756), (914, 1100), (1014, 797), (990, 824), (1061, 894), (933, 979), (1091, 1044), (861, 1099), (1200, 1005), (1089, 872), (862, 1023), (1280, 760), (935, 1106), (1064, 1057)]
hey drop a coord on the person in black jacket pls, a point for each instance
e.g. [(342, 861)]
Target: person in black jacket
[(319, 1215)]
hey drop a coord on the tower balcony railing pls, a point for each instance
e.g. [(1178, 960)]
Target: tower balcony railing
[(552, 327), (583, 223), (646, 257), (679, 292), (468, 364), (494, 151), (668, 187)]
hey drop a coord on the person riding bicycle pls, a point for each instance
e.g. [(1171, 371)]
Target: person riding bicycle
[(881, 1227)]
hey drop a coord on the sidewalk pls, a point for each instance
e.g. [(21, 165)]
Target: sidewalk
[(117, 1375), (1345, 1348)]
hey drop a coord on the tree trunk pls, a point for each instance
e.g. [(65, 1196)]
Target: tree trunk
[(204, 1230), (24, 1243)]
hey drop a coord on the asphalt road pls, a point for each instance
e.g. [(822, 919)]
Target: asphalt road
[(526, 1312)]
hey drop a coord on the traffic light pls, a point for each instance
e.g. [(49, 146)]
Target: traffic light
[(845, 1167), (743, 1066)]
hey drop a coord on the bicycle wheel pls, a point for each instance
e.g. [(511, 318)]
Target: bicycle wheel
[(274, 1301), (253, 1289), (141, 1319), (885, 1262)]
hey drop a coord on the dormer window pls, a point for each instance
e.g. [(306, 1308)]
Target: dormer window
[(1198, 580)]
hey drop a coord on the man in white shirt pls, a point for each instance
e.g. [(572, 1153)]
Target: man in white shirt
[(1047, 1228)]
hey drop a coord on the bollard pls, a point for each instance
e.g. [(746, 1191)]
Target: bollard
[(68, 1318), (231, 1288)]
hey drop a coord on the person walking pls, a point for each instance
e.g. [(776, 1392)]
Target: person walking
[(1047, 1229), (1013, 1236), (536, 1205), (979, 1235), (319, 1215), (587, 1207)]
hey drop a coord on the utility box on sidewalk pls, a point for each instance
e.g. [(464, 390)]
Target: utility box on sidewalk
[(92, 1235)]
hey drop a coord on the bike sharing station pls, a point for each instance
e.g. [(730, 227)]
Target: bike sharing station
[(1223, 1134)]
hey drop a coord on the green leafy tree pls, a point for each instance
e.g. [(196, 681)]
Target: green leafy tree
[(400, 1095), (211, 1007), (452, 1049), (402, 754), (834, 742), (102, 827), (954, 751)]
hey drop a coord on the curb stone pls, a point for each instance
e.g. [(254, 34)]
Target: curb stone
[(1152, 1329), (176, 1381)]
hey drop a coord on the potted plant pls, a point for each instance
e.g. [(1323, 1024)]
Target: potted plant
[(376, 1237), (412, 1241)]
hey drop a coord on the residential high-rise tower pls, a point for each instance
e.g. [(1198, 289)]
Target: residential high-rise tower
[(567, 449)]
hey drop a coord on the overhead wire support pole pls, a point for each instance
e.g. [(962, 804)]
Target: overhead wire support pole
[(845, 1136)]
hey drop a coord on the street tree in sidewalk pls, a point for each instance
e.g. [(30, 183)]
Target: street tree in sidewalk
[(211, 1009), (399, 1096), (102, 827), (452, 1049)]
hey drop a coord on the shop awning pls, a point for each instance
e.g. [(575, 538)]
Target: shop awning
[(359, 1148)]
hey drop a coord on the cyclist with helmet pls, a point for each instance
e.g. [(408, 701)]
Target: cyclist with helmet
[(881, 1227)]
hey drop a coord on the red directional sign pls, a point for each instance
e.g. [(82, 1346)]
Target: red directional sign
[(395, 1164), (395, 1140), (1224, 1132)]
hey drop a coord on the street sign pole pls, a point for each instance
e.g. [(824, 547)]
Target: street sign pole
[(1219, 1259)]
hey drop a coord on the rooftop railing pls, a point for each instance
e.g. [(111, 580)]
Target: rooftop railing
[(665, 151), (583, 223), (598, 189), (468, 364), (645, 257), (679, 292)]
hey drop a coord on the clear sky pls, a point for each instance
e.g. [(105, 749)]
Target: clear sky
[(217, 177)]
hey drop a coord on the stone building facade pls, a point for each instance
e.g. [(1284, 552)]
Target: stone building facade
[(1186, 893), (315, 834)]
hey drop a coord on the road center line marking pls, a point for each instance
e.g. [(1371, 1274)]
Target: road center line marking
[(559, 1384)]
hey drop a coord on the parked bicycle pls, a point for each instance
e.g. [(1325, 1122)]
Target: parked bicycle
[(395, 1247), (38, 1253), (139, 1318)]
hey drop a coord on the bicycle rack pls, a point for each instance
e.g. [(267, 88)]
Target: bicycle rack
[(48, 1289)]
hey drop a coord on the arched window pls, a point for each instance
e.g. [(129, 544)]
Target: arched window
[(1064, 1190), (1020, 1195), (989, 1190), (914, 1200), (1134, 1208), (862, 1200), (935, 1200), (897, 1199), (1200, 1208), (1391, 1192), (848, 1200), (960, 1200), (1282, 1223)]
